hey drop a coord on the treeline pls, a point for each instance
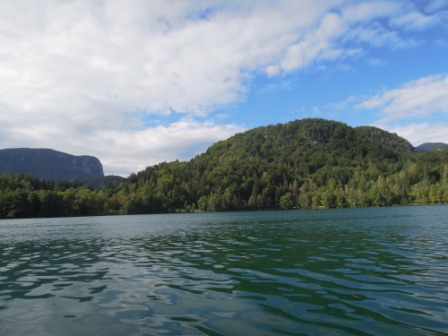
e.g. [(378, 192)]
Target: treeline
[(304, 164), (23, 196)]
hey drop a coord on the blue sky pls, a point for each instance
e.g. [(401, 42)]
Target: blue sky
[(137, 82)]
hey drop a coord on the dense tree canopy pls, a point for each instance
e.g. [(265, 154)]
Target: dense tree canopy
[(303, 164)]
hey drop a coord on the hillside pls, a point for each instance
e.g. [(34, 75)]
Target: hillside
[(304, 164), (49, 164), (429, 146), (301, 164)]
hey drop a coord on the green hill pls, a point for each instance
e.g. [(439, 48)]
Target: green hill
[(429, 146), (302, 164)]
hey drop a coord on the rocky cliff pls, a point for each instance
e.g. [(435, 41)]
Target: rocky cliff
[(50, 164)]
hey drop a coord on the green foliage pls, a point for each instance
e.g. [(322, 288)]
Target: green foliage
[(303, 164), (23, 196)]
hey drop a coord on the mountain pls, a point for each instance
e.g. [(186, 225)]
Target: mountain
[(303, 164), (429, 146), (50, 165)]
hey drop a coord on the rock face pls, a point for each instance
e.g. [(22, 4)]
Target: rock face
[(50, 165)]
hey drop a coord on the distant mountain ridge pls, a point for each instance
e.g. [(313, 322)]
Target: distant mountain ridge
[(50, 164), (429, 146)]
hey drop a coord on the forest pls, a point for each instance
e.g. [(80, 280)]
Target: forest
[(303, 164)]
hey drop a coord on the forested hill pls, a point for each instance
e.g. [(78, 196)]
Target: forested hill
[(429, 146), (310, 142), (303, 164)]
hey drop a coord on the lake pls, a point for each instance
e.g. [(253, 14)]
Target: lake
[(380, 271)]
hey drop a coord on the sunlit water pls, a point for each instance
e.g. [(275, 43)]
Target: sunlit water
[(322, 272)]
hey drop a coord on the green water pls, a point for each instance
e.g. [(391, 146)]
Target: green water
[(322, 272)]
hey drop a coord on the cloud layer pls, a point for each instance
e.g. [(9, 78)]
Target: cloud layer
[(418, 110), (416, 99), (88, 77)]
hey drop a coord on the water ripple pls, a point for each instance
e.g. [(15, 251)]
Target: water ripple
[(301, 273)]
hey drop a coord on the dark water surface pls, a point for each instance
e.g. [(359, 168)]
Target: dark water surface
[(322, 272)]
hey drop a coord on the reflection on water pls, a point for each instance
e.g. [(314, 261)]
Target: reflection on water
[(335, 272)]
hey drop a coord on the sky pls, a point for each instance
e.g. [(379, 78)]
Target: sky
[(139, 82)]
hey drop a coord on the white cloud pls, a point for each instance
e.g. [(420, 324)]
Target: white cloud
[(379, 36), (81, 75), (368, 10), (418, 133), (316, 45), (415, 20), (84, 76), (417, 99), (141, 148), (417, 110)]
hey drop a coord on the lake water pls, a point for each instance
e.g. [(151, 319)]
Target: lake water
[(381, 271)]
